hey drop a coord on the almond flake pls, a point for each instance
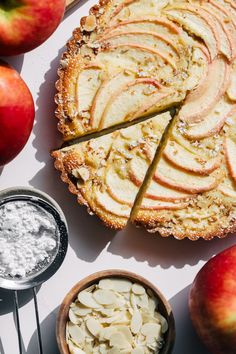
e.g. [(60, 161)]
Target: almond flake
[(151, 330), (73, 349), (137, 350), (136, 322), (118, 340), (126, 332), (94, 326), (87, 299), (90, 23), (81, 311), (138, 289), (104, 297), (73, 318), (106, 332), (76, 334)]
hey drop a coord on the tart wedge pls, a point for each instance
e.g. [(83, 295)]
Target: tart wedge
[(205, 211), (103, 172)]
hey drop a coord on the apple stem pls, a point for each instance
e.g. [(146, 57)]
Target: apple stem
[(8, 5)]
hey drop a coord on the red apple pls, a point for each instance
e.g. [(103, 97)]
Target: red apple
[(16, 113), (25, 24), (212, 303)]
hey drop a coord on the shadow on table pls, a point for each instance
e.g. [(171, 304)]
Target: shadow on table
[(83, 228), (186, 338), (2, 351), (15, 61), (7, 306), (166, 252), (7, 299), (48, 331)]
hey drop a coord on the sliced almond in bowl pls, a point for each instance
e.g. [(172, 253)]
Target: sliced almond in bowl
[(127, 315)]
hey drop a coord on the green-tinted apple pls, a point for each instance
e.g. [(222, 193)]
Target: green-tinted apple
[(25, 24)]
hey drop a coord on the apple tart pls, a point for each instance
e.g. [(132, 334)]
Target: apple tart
[(130, 61)]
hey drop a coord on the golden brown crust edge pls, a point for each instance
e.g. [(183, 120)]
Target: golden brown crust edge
[(110, 220), (143, 219), (64, 74)]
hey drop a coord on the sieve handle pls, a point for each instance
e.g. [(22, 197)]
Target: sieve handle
[(37, 321), (16, 302)]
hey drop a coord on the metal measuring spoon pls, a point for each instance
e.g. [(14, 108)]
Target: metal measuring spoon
[(38, 277)]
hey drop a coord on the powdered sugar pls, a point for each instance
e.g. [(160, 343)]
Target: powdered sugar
[(28, 238)]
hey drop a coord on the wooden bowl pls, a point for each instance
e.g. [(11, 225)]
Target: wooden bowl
[(164, 306)]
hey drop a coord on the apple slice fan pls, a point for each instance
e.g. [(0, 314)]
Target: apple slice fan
[(46, 270)]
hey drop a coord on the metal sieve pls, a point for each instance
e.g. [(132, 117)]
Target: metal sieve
[(39, 276)]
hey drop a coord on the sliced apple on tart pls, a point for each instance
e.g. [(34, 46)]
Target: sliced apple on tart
[(125, 104), (182, 158), (158, 24), (129, 9), (231, 92), (230, 153), (212, 122), (168, 50), (98, 170), (155, 205), (201, 100), (228, 187), (227, 34), (178, 179), (196, 22)]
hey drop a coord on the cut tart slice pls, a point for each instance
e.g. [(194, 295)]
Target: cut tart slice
[(103, 171), (202, 212)]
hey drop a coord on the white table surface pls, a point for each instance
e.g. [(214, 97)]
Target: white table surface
[(169, 264)]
